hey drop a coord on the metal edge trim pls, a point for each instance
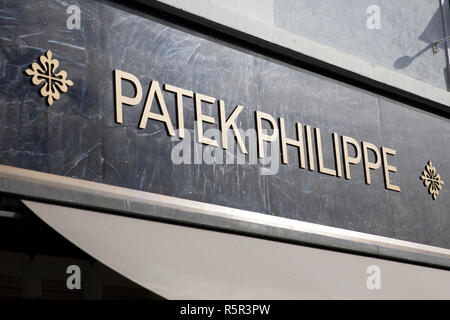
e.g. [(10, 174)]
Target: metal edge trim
[(72, 191)]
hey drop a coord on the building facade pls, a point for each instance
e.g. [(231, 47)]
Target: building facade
[(273, 149)]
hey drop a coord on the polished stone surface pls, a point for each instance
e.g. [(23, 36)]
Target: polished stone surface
[(78, 135)]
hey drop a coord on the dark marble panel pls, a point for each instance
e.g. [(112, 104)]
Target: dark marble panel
[(78, 135), (419, 137), (64, 138)]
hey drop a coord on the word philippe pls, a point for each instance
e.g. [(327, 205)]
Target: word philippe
[(303, 141)]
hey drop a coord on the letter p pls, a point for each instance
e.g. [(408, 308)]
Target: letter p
[(119, 98)]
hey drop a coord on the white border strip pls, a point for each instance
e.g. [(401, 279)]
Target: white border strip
[(209, 10), (207, 209)]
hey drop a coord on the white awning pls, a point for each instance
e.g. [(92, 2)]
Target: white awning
[(180, 262)]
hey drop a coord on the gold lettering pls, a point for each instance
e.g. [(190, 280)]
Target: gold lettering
[(347, 158), (385, 151), (262, 136), (309, 147), (296, 143), (337, 154), (322, 168), (225, 124), (147, 114), (203, 118), (120, 99), (367, 164), (180, 92)]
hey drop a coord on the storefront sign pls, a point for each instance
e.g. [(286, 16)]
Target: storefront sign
[(305, 147)]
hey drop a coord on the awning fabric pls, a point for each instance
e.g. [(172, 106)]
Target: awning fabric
[(181, 262)]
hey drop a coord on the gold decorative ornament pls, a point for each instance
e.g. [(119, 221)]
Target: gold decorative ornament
[(45, 72), (432, 180)]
